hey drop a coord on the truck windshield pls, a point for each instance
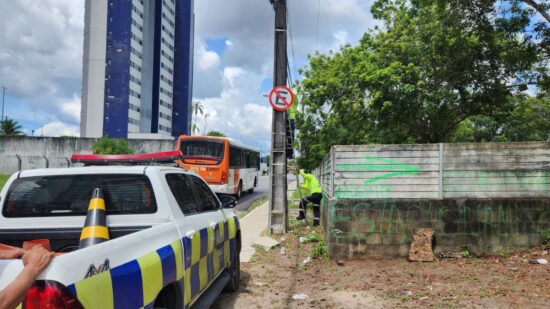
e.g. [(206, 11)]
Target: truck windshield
[(202, 150), (69, 195)]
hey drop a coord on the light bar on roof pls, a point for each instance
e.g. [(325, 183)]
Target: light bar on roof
[(154, 157)]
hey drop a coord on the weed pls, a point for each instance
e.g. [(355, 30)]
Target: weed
[(313, 238), (465, 252), (320, 251)]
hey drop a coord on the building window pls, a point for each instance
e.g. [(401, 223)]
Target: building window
[(133, 107), (165, 104), (166, 92), (135, 94), (133, 121), (164, 116), (165, 128)]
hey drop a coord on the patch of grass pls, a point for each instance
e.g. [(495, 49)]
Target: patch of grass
[(313, 238), (254, 205), (320, 251), (3, 179), (465, 252)]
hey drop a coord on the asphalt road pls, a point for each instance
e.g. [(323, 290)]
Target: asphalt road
[(248, 198), (261, 190)]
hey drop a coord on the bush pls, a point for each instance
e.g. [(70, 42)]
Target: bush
[(112, 146)]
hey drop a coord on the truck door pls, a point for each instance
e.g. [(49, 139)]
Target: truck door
[(199, 223)]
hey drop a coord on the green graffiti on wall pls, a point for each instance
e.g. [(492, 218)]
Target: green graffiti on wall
[(390, 169), (471, 181)]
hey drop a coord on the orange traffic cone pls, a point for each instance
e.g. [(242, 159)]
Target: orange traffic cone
[(95, 228)]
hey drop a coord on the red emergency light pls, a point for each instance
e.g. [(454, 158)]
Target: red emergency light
[(127, 159)]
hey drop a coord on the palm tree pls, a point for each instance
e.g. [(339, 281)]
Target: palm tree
[(10, 127), (194, 128), (196, 108)]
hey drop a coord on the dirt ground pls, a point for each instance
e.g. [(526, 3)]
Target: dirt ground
[(272, 278)]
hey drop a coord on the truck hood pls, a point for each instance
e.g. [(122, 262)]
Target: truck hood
[(9, 270)]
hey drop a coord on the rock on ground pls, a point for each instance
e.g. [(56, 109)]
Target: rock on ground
[(421, 246)]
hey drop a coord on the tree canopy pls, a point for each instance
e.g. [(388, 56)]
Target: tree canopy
[(215, 133), (112, 146), (435, 71), (10, 127)]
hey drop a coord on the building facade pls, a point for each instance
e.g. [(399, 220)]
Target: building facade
[(137, 68)]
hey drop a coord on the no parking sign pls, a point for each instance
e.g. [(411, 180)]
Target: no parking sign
[(281, 98)]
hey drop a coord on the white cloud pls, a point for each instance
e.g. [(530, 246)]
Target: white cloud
[(71, 108), (57, 129), (41, 56), (238, 109), (206, 59)]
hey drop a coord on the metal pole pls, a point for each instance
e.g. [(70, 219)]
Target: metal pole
[(3, 97), (278, 210)]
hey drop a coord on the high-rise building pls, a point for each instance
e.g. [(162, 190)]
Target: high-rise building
[(138, 68)]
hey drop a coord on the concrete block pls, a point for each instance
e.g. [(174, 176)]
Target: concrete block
[(535, 240), (374, 239), (340, 250), (266, 243), (358, 250), (519, 240), (391, 251), (403, 250), (394, 239)]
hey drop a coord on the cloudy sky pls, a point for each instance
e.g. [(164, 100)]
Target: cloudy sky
[(41, 59)]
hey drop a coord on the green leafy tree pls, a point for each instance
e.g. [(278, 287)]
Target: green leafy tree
[(112, 146), (215, 133), (10, 127), (436, 71)]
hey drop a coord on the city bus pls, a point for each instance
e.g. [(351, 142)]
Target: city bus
[(227, 165)]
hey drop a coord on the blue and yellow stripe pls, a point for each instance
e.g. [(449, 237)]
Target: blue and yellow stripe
[(194, 261)]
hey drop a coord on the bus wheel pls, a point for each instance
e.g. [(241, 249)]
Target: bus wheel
[(251, 190), (239, 191)]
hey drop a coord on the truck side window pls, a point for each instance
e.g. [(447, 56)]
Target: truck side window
[(183, 193), (208, 201)]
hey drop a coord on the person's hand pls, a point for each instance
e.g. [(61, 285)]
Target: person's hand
[(37, 259), (11, 254)]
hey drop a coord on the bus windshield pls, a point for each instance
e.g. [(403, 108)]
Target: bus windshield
[(202, 150)]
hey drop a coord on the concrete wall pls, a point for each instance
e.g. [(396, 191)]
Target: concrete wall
[(385, 227), (488, 197), (37, 152)]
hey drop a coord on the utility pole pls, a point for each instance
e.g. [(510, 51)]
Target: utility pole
[(3, 97), (278, 210)]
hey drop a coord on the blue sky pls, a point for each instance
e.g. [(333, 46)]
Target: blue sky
[(41, 59)]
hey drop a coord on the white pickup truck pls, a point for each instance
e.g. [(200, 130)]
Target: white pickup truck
[(173, 243)]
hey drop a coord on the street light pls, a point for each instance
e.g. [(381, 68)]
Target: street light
[(3, 96)]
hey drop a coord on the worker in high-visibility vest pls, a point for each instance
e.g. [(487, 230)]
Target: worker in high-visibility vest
[(312, 189)]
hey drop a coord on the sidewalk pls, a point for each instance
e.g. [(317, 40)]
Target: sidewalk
[(252, 226)]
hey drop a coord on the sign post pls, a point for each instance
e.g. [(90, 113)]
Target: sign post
[(281, 98), (278, 204)]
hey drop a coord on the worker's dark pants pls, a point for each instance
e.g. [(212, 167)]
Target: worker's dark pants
[(315, 200)]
